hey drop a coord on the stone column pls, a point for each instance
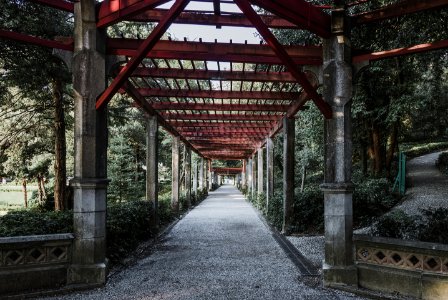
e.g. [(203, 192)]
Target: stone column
[(209, 175), (243, 174), (187, 176), (288, 173), (260, 171), (338, 266), (175, 174), (201, 173), (152, 180), (195, 180), (269, 171), (91, 134), (249, 176), (254, 177)]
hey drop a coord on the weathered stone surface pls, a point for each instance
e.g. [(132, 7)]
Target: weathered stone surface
[(269, 171), (288, 173), (188, 176), (152, 169), (260, 183), (175, 174)]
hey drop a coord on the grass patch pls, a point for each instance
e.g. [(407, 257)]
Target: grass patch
[(11, 200), (417, 149)]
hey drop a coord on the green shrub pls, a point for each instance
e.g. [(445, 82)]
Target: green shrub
[(261, 202), (371, 199), (442, 163), (422, 149), (308, 210), (396, 224), (33, 222), (127, 225), (434, 228), (275, 210)]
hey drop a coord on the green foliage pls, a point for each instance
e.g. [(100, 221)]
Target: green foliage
[(32, 222), (396, 224), (415, 150), (435, 226), (371, 199), (127, 225), (308, 210), (274, 214), (431, 226), (442, 163)]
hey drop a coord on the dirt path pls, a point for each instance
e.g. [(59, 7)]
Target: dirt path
[(429, 187)]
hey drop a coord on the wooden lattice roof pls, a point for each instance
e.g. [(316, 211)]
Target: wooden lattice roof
[(223, 99)]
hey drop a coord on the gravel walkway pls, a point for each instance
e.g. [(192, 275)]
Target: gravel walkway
[(220, 250), (429, 187)]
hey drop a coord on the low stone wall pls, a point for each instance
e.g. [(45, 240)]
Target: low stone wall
[(407, 268), (30, 263)]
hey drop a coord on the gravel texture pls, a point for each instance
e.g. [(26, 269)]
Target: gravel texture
[(312, 247), (428, 186), (220, 250)]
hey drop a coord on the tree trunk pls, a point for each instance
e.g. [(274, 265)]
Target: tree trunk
[(60, 171), (39, 189), (25, 193), (393, 143), (376, 143), (302, 185)]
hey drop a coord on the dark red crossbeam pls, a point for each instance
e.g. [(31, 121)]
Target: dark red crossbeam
[(254, 117), (218, 107), (198, 18), (148, 92), (260, 76)]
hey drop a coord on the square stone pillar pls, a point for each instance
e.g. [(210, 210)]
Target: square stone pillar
[(201, 174), (288, 173), (152, 169), (195, 180), (91, 137), (254, 177), (338, 266), (269, 171), (243, 174), (187, 176), (209, 175), (249, 176), (175, 174), (260, 171)]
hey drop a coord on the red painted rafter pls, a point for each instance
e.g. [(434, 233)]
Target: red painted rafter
[(299, 12), (236, 124), (247, 9), (214, 75), (198, 18), (142, 51), (224, 131), (401, 51), (218, 107), (254, 117), (113, 11), (148, 92), (250, 53), (10, 35), (398, 9), (59, 4)]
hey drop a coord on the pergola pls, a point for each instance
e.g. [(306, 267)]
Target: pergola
[(224, 101)]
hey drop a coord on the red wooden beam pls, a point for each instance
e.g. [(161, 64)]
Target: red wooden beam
[(299, 12), (218, 107), (142, 51), (223, 145), (214, 75), (148, 92), (401, 51), (198, 18), (224, 131), (113, 11), (223, 134), (251, 53), (236, 124), (247, 9), (254, 117), (59, 4), (398, 9), (20, 37)]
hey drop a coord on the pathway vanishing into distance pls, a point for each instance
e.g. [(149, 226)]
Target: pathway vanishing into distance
[(219, 250), (429, 187)]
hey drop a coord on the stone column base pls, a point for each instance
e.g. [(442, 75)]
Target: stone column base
[(87, 274), (337, 276)]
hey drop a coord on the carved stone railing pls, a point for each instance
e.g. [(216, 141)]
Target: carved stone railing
[(30, 263), (408, 268)]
